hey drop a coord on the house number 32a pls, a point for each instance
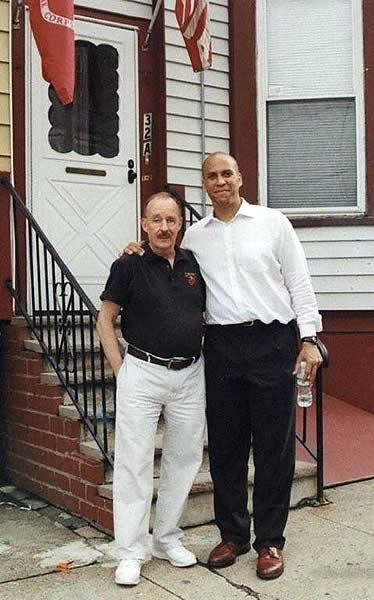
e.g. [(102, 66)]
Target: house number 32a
[(147, 135)]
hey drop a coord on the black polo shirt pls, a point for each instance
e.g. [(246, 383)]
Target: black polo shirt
[(161, 305)]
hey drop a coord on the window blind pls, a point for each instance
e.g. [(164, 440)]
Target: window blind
[(312, 153), (309, 47)]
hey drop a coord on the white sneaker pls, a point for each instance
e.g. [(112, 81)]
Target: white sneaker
[(178, 556), (128, 571)]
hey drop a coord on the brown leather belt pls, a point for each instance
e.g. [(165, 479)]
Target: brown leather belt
[(175, 364)]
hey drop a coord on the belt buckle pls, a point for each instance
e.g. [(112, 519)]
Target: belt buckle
[(170, 364)]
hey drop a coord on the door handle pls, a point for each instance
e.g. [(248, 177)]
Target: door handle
[(131, 174)]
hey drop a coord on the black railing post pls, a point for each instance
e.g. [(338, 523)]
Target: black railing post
[(319, 435)]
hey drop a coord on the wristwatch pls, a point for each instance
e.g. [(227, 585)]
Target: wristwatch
[(312, 339)]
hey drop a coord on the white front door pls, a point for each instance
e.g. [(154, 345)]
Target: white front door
[(80, 157)]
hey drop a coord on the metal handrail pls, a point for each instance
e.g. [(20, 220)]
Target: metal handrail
[(194, 215), (62, 318), (318, 453)]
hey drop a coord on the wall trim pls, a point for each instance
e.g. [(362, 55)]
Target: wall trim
[(243, 85)]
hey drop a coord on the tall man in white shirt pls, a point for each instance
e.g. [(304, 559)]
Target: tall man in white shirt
[(258, 295)]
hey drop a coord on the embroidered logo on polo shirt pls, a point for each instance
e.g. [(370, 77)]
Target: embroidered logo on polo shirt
[(191, 278)]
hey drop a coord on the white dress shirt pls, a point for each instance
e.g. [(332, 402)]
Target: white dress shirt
[(254, 268)]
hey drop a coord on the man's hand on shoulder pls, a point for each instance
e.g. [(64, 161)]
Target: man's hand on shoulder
[(134, 248)]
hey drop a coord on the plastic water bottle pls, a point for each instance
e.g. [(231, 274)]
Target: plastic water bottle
[(304, 396)]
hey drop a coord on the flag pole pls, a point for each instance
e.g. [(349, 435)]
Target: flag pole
[(151, 25)]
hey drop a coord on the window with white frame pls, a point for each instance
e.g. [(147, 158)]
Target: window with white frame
[(311, 106)]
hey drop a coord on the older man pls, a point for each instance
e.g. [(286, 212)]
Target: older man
[(162, 297), (259, 298)]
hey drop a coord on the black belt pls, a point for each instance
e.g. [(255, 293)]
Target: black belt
[(255, 323), (175, 364)]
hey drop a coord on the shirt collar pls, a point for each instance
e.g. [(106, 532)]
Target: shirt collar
[(152, 256), (245, 210)]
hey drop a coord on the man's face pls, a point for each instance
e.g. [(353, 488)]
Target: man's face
[(162, 222), (222, 180)]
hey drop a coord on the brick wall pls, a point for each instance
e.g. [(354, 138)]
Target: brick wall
[(5, 267), (41, 448)]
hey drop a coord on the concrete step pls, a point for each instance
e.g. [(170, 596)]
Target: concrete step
[(109, 397), (199, 509), (50, 378), (90, 448), (70, 411), (34, 346)]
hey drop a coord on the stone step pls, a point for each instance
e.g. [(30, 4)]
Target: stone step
[(109, 397), (34, 346), (50, 377), (70, 411), (90, 448), (199, 509)]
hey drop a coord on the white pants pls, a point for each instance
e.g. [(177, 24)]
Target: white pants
[(145, 390)]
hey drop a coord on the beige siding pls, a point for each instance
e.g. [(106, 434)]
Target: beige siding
[(341, 263), (189, 123), (131, 8), (4, 87)]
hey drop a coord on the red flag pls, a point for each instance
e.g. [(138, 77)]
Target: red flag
[(52, 24), (193, 20)]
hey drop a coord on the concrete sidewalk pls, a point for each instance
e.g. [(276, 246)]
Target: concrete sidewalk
[(46, 554)]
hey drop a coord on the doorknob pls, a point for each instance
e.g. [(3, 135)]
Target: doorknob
[(131, 174)]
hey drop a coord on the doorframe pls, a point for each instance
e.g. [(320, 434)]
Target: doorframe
[(151, 98)]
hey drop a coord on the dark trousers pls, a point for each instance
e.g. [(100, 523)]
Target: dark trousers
[(250, 401)]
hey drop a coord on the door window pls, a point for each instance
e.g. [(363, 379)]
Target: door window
[(90, 124)]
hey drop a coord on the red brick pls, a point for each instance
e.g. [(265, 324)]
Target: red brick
[(39, 421), (78, 489), (62, 482), (91, 493), (50, 405), (15, 347), (20, 399), (20, 447), (71, 466), (71, 504), (17, 431), (48, 391), (88, 511), (72, 429), (54, 460), (47, 475), (22, 383), (105, 519), (48, 440), (57, 425), (64, 444), (22, 481), (17, 365), (34, 367), (16, 415), (94, 473), (34, 436), (55, 497), (18, 333)]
